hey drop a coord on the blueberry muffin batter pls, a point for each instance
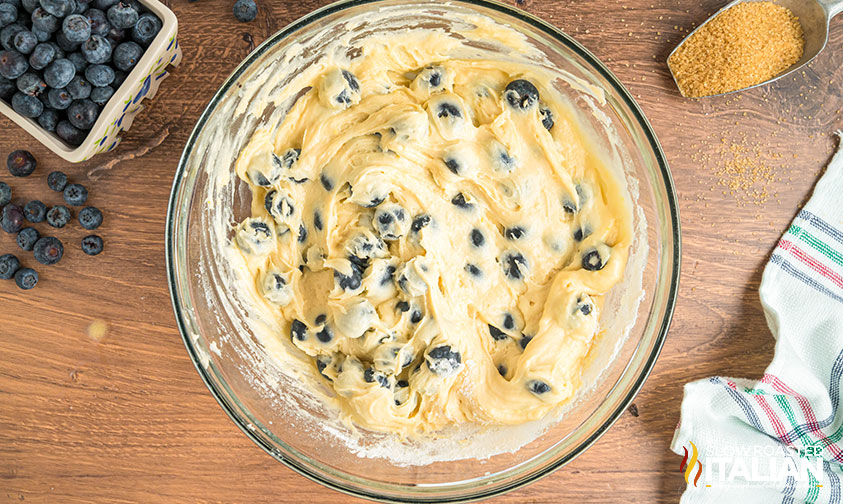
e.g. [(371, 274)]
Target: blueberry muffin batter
[(436, 234)]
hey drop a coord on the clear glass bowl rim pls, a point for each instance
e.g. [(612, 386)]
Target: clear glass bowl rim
[(670, 299)]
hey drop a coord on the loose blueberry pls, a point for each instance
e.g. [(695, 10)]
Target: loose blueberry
[(514, 233), (27, 106), (58, 216), (521, 94), (496, 333), (122, 16), (26, 278), (9, 264), (48, 250), (11, 219), (126, 55), (57, 181), (59, 73), (25, 42), (98, 21), (70, 133), (79, 88), (514, 264), (538, 387), (12, 64), (92, 244), (459, 200), (76, 28), (473, 270), (443, 360), (5, 194), (245, 10), (591, 261), (58, 8), (90, 218), (26, 238), (477, 238), (298, 331), (419, 222), (75, 195), (101, 95), (42, 56), (59, 99), (547, 118), (35, 211), (96, 50), (21, 163), (146, 29)]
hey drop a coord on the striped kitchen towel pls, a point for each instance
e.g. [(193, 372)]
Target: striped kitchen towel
[(780, 439)]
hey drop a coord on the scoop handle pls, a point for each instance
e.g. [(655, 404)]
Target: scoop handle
[(833, 7)]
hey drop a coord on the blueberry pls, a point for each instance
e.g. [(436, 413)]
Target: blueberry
[(391, 222), (403, 306), (538, 387), (146, 29), (591, 261), (502, 370), (569, 206), (355, 279), (76, 28), (298, 331), (5, 194), (92, 244), (581, 233), (12, 64), (79, 88), (416, 316), (58, 216), (31, 84), (326, 182), (7, 88), (101, 95), (42, 56), (75, 195), (525, 340), (104, 5), (119, 78), (27, 106), (8, 14), (443, 360), (126, 55), (514, 233), (8, 33), (317, 220), (508, 322), (26, 278), (115, 35), (325, 335), (477, 238), (521, 94), (83, 114), (96, 50), (371, 376), (57, 181), (21, 163), (48, 250), (547, 118), (459, 200), (496, 333), (16, 3), (447, 110), (59, 99), (59, 8), (59, 73), (59, 52), (473, 270), (514, 264), (26, 238), (11, 219), (70, 133), (583, 307), (42, 36), (65, 44), (122, 16), (30, 5), (25, 42), (419, 222), (99, 75), (245, 10), (79, 61), (98, 21), (35, 211), (9, 264), (453, 165), (322, 362), (302, 238), (91, 217)]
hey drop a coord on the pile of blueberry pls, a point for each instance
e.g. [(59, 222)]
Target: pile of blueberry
[(62, 60), (45, 249)]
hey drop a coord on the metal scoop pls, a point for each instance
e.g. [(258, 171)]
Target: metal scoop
[(814, 15)]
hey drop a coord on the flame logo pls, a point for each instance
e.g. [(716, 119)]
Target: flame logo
[(687, 466)]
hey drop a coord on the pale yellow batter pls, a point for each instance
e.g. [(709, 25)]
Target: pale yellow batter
[(436, 233)]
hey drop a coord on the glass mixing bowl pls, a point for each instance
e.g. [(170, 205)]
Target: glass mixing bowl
[(230, 359)]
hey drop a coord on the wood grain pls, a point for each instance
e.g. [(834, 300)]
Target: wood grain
[(127, 418)]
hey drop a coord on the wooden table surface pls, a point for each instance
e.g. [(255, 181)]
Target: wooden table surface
[(126, 418)]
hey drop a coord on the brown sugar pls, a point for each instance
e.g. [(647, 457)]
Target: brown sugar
[(743, 46)]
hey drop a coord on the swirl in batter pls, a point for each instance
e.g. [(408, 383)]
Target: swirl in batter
[(437, 234)]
